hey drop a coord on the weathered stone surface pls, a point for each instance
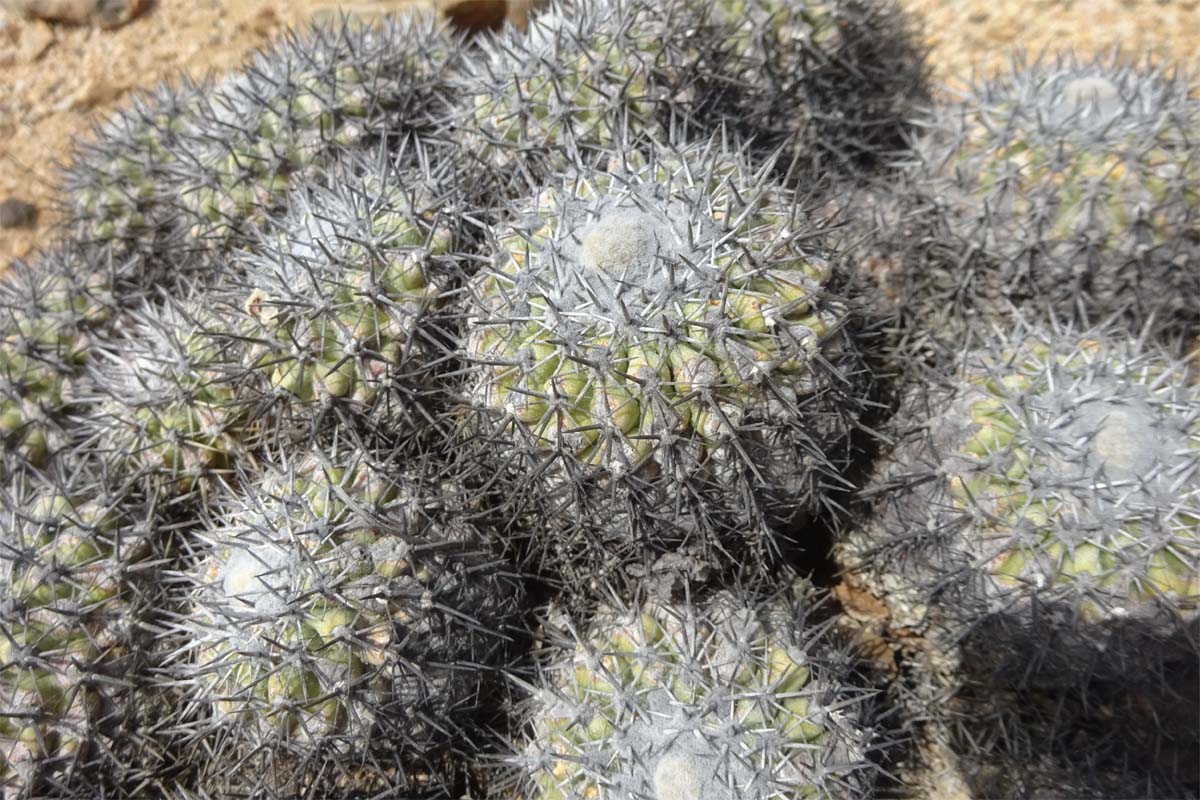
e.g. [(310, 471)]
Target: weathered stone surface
[(102, 13), (15, 213)]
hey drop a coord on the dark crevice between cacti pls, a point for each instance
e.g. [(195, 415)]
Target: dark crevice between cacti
[(808, 544), (808, 548)]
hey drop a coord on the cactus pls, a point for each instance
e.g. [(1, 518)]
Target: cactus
[(834, 78), (49, 314), (341, 632), (967, 736), (166, 403), (341, 306), (730, 699), (1048, 501), (1067, 187), (79, 563), (661, 324), (336, 87), (119, 174), (581, 76), (834, 82)]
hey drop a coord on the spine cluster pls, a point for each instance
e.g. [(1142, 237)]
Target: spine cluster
[(668, 400)]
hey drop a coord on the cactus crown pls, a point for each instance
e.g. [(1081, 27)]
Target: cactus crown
[(576, 76), (1080, 102), (1117, 136), (169, 404), (646, 302), (337, 304)]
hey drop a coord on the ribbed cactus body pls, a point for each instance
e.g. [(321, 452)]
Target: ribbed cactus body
[(660, 326), (573, 72), (631, 312), (832, 78), (118, 176), (167, 398), (340, 307), (1067, 187), (283, 116), (340, 633), (1054, 495), (583, 76), (834, 82), (78, 567), (49, 315), (1114, 420), (706, 702), (215, 160)]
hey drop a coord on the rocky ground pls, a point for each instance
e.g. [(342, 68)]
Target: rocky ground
[(57, 77)]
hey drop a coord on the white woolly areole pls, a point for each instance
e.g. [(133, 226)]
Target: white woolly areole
[(641, 255), (1125, 440), (1108, 433), (676, 762), (257, 578), (1094, 102), (619, 240)]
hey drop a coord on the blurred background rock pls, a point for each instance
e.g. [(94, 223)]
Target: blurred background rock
[(65, 62)]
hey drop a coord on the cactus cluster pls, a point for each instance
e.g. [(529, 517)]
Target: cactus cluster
[(1032, 517), (421, 416)]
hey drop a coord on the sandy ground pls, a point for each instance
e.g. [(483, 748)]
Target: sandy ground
[(55, 80)]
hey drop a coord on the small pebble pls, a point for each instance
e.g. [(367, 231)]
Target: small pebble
[(16, 213), (473, 16), (104, 13), (34, 38), (95, 92)]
